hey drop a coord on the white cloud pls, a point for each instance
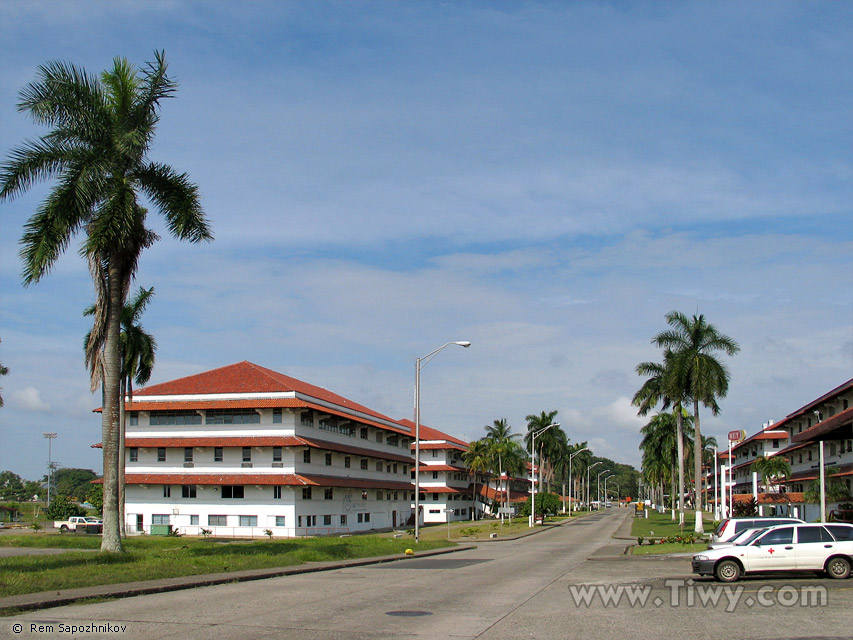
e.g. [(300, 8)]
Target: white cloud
[(29, 399)]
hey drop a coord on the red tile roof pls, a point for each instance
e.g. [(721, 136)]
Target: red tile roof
[(428, 433), (246, 377)]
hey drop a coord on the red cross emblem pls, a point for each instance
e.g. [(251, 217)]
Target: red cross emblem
[(770, 551)]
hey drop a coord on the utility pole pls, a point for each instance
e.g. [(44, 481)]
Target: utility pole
[(50, 437)]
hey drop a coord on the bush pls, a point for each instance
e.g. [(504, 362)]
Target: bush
[(61, 508)]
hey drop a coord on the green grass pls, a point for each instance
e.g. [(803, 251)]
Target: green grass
[(668, 548), (148, 558), (661, 525)]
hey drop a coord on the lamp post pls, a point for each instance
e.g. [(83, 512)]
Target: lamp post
[(420, 363), (599, 486), (49, 437), (533, 471), (572, 455), (606, 478), (587, 481)]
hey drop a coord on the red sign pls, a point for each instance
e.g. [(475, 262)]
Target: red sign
[(736, 436)]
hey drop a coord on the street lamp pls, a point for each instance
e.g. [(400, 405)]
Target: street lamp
[(599, 486), (419, 363), (572, 455), (606, 478), (587, 480), (50, 437), (533, 470)]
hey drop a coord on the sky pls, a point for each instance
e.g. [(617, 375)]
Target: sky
[(544, 179)]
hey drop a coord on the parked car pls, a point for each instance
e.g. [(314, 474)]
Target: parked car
[(730, 527), (77, 521), (738, 538), (797, 547)]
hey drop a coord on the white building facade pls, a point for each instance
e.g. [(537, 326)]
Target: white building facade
[(248, 452)]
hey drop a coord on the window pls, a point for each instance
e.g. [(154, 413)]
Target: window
[(327, 520), (379, 465), (363, 433), (775, 444), (276, 454), (435, 453), (395, 467), (193, 520), (364, 495), (392, 440), (379, 495), (343, 520), (435, 475), (380, 437), (248, 521), (310, 521), (306, 419), (232, 491), (279, 521), (188, 454), (134, 418), (778, 536), (276, 493), (134, 454), (166, 418), (346, 462), (161, 454), (364, 463), (306, 493), (167, 491), (232, 416), (329, 494), (188, 491), (276, 416), (217, 521), (160, 518), (247, 454), (306, 456), (813, 534), (435, 497), (328, 459), (217, 454)]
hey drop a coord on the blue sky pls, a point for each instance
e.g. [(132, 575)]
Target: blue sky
[(546, 180)]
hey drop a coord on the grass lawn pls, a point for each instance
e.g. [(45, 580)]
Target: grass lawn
[(151, 557), (661, 525)]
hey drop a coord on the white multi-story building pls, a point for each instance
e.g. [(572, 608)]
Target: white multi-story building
[(244, 450), (445, 484)]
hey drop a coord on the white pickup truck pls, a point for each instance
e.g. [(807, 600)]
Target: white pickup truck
[(73, 521)]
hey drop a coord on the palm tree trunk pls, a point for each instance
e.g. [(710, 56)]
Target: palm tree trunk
[(697, 468), (121, 427), (111, 540), (679, 422)]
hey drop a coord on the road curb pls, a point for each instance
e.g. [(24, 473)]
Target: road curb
[(49, 599)]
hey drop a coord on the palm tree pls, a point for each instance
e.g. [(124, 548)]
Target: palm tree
[(552, 443), (660, 451), (774, 468), (836, 490), (501, 443), (476, 459), (138, 348), (102, 131), (692, 343), (661, 388)]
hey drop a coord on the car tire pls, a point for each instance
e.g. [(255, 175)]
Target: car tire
[(838, 568), (63, 528), (727, 571)]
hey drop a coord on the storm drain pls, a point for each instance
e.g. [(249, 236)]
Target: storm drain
[(408, 614)]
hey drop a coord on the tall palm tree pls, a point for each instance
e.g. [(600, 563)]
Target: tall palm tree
[(661, 388), (102, 130), (660, 451), (476, 460), (692, 344), (500, 441), (552, 443), (137, 352)]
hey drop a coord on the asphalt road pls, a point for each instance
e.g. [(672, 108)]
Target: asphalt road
[(545, 586)]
